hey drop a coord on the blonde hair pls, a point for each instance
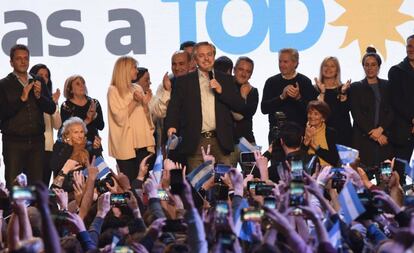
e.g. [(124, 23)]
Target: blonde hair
[(67, 90), (121, 77), (338, 69)]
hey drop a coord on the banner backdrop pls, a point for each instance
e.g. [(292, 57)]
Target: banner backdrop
[(86, 37)]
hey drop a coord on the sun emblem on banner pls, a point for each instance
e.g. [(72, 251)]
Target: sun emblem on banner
[(371, 22)]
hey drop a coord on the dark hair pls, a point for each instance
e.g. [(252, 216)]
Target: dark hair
[(320, 106), (188, 43), (18, 47), (223, 64), (246, 59), (291, 134), (371, 51), (141, 73), (410, 37), (35, 69)]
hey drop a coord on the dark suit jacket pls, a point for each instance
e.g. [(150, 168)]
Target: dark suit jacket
[(184, 111), (401, 79), (363, 112)]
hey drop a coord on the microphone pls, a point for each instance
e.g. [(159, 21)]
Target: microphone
[(210, 75)]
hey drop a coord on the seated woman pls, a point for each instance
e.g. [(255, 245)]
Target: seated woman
[(73, 146), (319, 139)]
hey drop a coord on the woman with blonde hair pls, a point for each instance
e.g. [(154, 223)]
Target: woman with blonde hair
[(335, 94), (131, 130)]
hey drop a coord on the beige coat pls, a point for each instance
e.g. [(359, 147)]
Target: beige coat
[(127, 132)]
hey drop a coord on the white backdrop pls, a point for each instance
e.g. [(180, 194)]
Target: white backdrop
[(318, 28)]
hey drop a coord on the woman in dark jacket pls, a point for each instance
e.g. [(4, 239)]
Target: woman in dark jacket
[(372, 113), (320, 139)]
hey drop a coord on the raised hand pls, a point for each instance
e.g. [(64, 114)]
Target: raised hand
[(166, 82), (321, 86), (206, 154), (56, 96)]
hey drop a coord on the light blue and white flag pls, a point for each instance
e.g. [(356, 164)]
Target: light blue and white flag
[(412, 165), (246, 146), (158, 166), (200, 175), (172, 143), (243, 229), (351, 206), (102, 167), (335, 235), (346, 154)]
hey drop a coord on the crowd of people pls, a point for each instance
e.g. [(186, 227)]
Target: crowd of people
[(190, 176)]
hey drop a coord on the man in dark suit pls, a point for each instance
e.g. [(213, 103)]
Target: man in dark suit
[(401, 79), (200, 110)]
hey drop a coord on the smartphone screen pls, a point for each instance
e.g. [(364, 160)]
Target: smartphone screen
[(247, 157), (222, 168), (269, 202), (297, 167), (386, 169), (222, 209), (23, 193), (297, 188), (123, 249), (162, 194), (252, 214), (119, 199), (251, 185)]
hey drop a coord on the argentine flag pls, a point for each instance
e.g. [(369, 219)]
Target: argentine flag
[(200, 175), (346, 154), (351, 206), (158, 165), (335, 235)]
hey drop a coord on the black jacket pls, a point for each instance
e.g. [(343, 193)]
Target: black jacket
[(295, 110), (23, 119), (401, 80), (363, 112), (184, 111)]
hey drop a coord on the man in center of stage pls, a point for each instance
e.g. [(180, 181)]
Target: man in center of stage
[(200, 106)]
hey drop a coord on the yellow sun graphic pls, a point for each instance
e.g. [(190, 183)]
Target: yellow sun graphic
[(371, 22)]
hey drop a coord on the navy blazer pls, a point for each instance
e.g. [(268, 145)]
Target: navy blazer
[(184, 111)]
